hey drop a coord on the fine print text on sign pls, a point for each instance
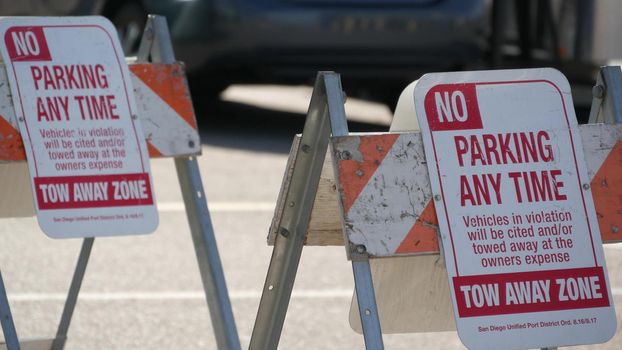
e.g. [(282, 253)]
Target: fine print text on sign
[(86, 152), (520, 235)]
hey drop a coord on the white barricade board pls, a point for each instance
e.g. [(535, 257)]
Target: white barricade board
[(77, 116), (521, 240)]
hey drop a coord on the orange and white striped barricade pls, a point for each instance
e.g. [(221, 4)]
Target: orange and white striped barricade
[(315, 209), (170, 129)]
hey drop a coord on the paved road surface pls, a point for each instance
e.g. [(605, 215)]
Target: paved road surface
[(145, 292)]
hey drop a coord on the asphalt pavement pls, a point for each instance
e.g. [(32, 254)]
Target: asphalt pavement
[(144, 292)]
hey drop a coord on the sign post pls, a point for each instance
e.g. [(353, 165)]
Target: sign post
[(73, 94), (520, 235)]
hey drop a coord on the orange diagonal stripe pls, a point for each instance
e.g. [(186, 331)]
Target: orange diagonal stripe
[(607, 193), (153, 152), (169, 83), (11, 143), (422, 237), (354, 175)]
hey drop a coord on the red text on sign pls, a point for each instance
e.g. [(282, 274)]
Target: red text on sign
[(508, 148), (69, 77), (523, 292), (452, 107), (97, 107), (537, 186), (74, 192), (27, 44)]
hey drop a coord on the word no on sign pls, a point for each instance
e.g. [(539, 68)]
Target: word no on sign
[(86, 153), (520, 235)]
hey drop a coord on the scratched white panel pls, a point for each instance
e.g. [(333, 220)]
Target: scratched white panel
[(391, 202)]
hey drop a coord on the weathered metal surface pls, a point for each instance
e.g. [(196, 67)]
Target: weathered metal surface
[(384, 190), (325, 115), (598, 143)]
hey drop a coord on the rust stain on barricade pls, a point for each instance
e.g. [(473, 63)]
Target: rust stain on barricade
[(606, 190)]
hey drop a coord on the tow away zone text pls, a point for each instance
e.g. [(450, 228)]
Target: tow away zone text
[(93, 191), (536, 291)]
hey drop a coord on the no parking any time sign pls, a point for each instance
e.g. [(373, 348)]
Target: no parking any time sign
[(75, 105), (519, 231)]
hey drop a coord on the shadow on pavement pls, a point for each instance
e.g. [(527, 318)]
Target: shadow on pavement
[(243, 126)]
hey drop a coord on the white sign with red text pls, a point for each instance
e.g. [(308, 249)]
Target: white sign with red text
[(520, 235), (74, 100)]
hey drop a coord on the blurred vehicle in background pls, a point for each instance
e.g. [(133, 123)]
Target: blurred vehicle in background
[(377, 45)]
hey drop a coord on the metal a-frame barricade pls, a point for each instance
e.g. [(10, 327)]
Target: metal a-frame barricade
[(299, 211), (326, 117), (156, 60)]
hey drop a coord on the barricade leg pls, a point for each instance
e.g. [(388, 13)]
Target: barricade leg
[(277, 292), (367, 304), (72, 296), (360, 262), (8, 327), (206, 250), (294, 221), (156, 43)]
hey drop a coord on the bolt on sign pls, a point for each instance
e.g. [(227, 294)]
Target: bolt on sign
[(520, 235), (75, 106)]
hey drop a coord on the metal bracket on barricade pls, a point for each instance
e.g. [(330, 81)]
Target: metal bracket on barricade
[(170, 129), (315, 209)]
